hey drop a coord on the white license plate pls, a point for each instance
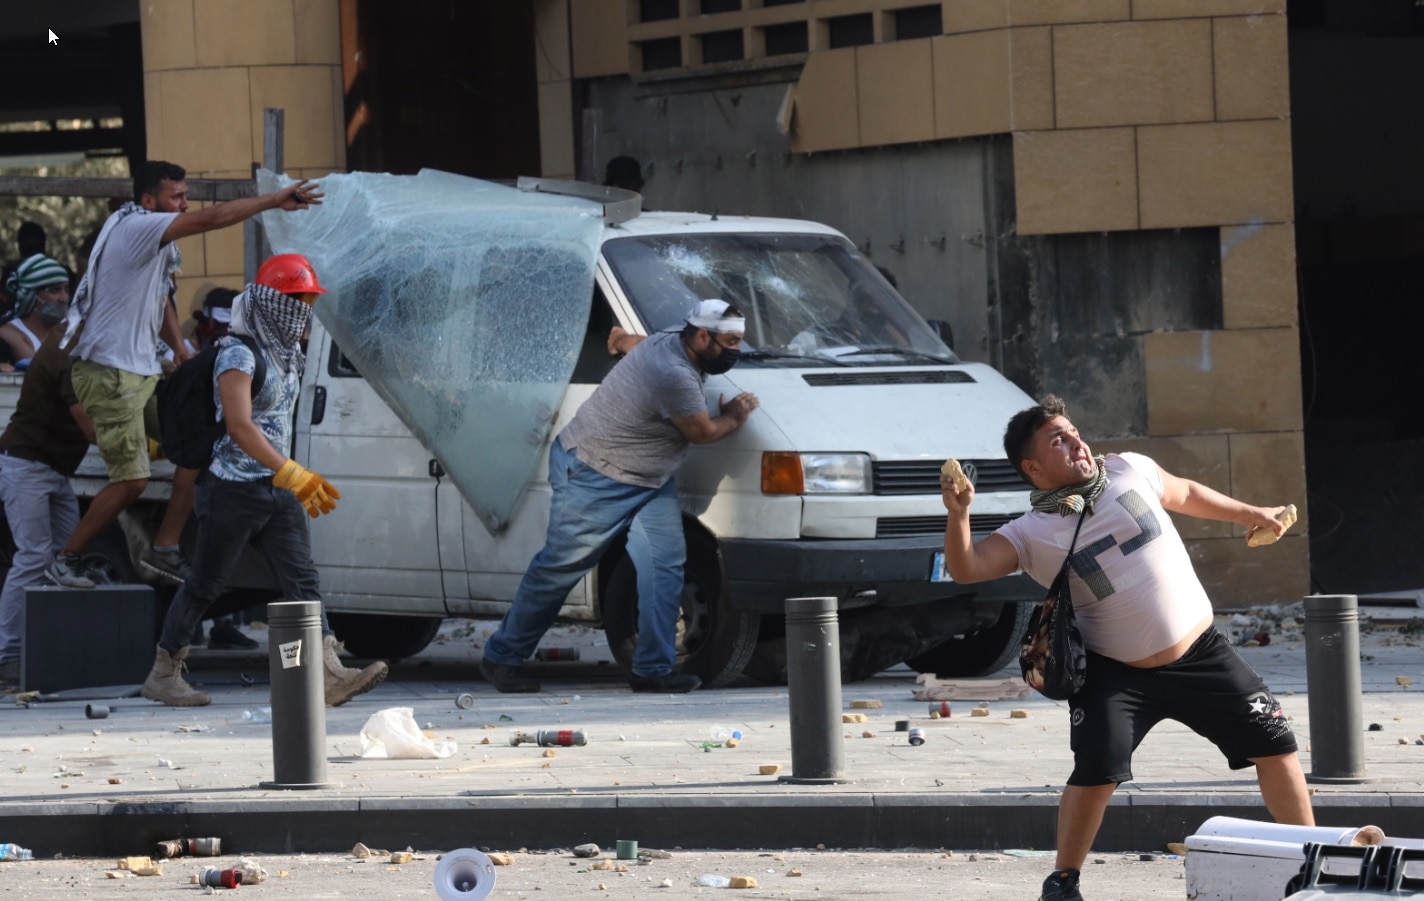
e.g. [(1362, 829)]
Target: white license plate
[(937, 572)]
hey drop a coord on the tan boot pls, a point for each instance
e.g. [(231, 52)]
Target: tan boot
[(343, 684), (165, 682)]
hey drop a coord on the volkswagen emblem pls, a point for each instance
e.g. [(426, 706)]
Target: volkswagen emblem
[(971, 472)]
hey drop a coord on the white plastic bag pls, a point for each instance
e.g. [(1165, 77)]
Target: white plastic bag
[(392, 733)]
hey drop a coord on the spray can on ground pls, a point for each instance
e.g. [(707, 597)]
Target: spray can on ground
[(551, 655), (939, 710), (217, 877), (917, 736), (561, 738), (189, 847)]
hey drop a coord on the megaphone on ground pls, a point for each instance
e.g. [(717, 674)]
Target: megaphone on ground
[(464, 875)]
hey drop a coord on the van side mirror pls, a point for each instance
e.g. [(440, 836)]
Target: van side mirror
[(944, 330)]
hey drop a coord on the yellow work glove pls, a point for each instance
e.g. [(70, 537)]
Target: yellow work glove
[(315, 493)]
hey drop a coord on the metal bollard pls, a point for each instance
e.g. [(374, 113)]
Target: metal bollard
[(813, 681), (298, 696), (1332, 675)]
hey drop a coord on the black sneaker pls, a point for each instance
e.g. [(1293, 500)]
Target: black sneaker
[(507, 679), (227, 637), (167, 565), (671, 683), (1061, 886)]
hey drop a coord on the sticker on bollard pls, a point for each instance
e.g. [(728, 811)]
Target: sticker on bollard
[(291, 653)]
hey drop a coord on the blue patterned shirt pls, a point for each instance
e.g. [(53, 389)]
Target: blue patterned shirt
[(271, 410)]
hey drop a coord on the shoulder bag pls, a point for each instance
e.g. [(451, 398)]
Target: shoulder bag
[(1053, 659)]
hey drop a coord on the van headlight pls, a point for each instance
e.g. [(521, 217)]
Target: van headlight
[(786, 472)]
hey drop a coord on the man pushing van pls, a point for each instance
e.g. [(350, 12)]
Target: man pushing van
[(612, 471)]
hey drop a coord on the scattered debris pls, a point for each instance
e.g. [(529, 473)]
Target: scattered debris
[(500, 858), (362, 852), (140, 866), (1403, 681), (979, 711), (769, 769), (400, 857), (936, 689), (1177, 848), (854, 718), (794, 872), (742, 882), (587, 850), (871, 704), (867, 734), (1018, 713), (654, 854)]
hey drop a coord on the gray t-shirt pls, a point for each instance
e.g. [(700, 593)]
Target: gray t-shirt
[(624, 429), (129, 284)]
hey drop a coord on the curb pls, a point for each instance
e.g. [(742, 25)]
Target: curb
[(724, 822)]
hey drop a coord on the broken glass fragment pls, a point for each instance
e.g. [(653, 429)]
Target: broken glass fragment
[(462, 302)]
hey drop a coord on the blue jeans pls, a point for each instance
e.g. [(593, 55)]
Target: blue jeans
[(231, 515), (43, 513), (587, 514)]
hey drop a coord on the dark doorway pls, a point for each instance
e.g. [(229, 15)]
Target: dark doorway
[(441, 85), (1354, 71)]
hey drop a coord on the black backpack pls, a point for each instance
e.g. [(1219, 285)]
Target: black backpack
[(187, 413)]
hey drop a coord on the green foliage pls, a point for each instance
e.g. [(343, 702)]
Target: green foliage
[(66, 220)]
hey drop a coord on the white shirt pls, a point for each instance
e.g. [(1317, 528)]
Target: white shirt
[(1133, 585), (129, 283)]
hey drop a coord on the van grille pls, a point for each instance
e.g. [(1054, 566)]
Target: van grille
[(922, 476), (909, 526), (933, 377)]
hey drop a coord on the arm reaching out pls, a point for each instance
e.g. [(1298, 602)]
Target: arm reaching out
[(1192, 498)]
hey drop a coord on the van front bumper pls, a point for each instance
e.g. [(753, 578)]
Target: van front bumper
[(859, 572)]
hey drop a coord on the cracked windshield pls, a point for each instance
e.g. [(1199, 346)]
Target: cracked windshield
[(808, 299)]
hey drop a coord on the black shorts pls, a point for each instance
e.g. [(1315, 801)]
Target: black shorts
[(1210, 689)]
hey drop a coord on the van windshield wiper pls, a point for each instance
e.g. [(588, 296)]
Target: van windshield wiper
[(783, 355), (899, 352)]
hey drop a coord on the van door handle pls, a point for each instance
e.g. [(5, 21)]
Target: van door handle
[(318, 405)]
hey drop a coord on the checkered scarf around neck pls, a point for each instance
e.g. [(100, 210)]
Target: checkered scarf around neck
[(1072, 499), (276, 320)]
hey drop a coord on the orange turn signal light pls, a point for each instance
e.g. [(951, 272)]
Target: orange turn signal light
[(781, 473)]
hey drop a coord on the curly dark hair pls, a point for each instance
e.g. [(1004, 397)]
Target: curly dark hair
[(152, 174), (1025, 424)]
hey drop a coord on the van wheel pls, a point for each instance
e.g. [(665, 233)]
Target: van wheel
[(714, 641), (376, 637), (979, 652), (108, 556)]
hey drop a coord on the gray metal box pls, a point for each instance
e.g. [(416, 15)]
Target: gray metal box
[(81, 638)]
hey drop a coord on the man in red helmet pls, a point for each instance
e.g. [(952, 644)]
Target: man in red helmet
[(122, 303), (253, 493)]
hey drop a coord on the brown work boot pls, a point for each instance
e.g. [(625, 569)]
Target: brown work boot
[(165, 682), (343, 684)]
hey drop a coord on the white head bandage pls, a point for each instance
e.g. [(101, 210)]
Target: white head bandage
[(708, 314)]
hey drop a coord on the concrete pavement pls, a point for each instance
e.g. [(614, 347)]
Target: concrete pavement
[(114, 786)]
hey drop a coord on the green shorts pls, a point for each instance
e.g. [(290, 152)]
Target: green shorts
[(125, 413)]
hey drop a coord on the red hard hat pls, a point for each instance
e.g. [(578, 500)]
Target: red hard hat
[(290, 273)]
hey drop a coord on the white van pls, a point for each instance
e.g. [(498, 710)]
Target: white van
[(831, 488)]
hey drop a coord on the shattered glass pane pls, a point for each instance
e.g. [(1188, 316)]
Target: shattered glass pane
[(462, 302), (807, 298)]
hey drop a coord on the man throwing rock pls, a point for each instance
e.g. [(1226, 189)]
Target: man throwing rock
[(1146, 621), (611, 470)]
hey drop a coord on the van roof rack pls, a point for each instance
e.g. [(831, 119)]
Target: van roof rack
[(619, 204)]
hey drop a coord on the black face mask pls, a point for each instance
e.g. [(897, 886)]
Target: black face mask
[(720, 363)]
